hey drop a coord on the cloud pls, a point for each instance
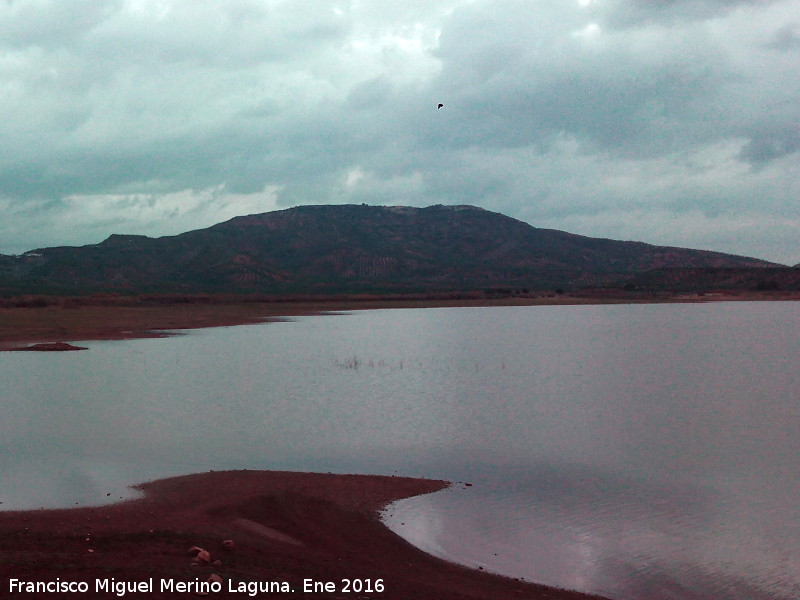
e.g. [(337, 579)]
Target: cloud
[(632, 13), (766, 144), (88, 219), (786, 38)]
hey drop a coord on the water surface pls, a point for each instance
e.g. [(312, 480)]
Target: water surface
[(643, 452)]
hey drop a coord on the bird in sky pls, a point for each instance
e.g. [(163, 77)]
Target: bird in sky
[(440, 106)]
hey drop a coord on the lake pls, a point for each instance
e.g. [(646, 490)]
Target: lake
[(638, 451)]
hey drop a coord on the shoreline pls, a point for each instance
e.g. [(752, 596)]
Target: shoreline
[(93, 319), (286, 527)]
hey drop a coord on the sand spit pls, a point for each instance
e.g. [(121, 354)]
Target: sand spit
[(323, 534)]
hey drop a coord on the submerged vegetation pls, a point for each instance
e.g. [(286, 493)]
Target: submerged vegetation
[(354, 363)]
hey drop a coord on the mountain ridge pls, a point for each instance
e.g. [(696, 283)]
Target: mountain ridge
[(354, 248)]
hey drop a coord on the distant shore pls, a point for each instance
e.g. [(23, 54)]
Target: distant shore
[(31, 320), (284, 527)]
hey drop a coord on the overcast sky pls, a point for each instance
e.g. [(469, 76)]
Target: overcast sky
[(667, 121)]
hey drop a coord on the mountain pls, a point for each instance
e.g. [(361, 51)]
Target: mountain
[(350, 248), (764, 279)]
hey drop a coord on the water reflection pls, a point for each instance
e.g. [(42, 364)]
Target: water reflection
[(624, 537)]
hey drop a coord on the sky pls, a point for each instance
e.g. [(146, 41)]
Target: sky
[(673, 122)]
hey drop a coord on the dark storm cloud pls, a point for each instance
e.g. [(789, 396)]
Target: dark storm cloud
[(766, 145), (118, 106), (521, 83), (630, 13)]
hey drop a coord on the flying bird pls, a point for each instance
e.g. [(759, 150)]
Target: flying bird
[(440, 106)]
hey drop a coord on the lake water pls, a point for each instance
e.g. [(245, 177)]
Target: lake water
[(639, 451)]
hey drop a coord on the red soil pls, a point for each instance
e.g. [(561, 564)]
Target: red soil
[(286, 527), (88, 318), (48, 347)]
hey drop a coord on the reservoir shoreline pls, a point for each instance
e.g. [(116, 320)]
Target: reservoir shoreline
[(53, 320), (286, 528)]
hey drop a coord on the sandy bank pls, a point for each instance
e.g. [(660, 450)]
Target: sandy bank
[(82, 319), (286, 527)]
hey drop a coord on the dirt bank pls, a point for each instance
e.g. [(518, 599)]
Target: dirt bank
[(79, 319), (286, 528)]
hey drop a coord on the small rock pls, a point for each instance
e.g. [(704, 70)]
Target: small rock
[(227, 544)]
